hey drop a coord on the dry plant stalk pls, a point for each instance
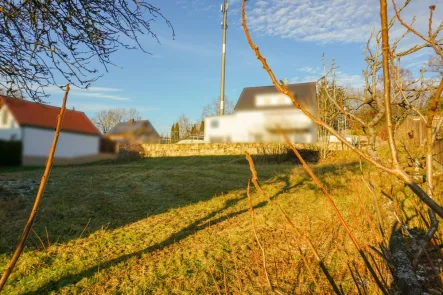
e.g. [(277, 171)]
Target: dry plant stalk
[(19, 249), (251, 211), (395, 171), (254, 180), (338, 214)]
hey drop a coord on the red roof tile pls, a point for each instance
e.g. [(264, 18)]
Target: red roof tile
[(28, 113)]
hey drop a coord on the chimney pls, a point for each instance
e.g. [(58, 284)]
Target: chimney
[(130, 122), (285, 81)]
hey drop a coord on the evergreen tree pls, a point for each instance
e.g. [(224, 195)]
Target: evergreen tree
[(202, 127), (177, 131), (172, 132)]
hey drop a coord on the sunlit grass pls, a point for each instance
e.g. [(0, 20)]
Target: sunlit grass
[(181, 226)]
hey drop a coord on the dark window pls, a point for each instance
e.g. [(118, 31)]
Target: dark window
[(214, 124)]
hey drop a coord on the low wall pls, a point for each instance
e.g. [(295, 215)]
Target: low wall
[(217, 149)]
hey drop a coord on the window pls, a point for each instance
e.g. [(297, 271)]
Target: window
[(214, 124), (13, 137), (5, 117), (264, 100)]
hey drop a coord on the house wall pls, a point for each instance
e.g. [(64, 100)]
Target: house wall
[(37, 143), (260, 126), (9, 128)]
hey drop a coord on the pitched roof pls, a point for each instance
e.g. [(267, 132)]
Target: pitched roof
[(305, 93), (28, 113), (137, 128)]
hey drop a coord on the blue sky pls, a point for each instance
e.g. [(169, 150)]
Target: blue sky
[(183, 75)]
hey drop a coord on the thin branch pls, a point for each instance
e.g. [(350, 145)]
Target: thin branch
[(337, 213), (18, 251), (256, 183), (251, 211), (397, 172)]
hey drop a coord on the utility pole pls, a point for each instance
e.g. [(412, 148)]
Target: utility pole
[(224, 10)]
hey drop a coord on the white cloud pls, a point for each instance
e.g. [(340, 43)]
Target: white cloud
[(92, 92), (418, 64), (325, 21), (314, 74), (310, 70), (102, 95), (106, 89), (349, 80)]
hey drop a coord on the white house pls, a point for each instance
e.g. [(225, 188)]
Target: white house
[(34, 124), (262, 112)]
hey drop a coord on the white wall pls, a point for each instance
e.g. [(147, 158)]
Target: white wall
[(9, 129), (37, 143), (255, 126)]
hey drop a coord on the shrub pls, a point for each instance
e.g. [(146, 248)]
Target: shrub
[(130, 152)]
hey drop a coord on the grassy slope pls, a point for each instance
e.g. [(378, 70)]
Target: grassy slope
[(180, 226)]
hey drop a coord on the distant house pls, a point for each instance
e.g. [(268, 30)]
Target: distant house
[(136, 132), (261, 112), (34, 124)]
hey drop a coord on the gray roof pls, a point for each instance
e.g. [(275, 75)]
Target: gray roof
[(137, 128), (305, 94)]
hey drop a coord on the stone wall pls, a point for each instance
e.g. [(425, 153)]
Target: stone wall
[(217, 149)]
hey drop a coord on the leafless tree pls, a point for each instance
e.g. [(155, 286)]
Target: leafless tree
[(213, 108), (105, 120), (185, 125), (435, 65), (42, 40), (395, 92)]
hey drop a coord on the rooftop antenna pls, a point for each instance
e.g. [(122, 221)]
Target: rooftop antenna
[(224, 10)]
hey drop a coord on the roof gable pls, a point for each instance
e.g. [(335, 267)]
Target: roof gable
[(4, 108), (269, 98), (27, 113), (137, 128)]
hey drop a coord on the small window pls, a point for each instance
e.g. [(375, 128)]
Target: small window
[(13, 137), (214, 124)]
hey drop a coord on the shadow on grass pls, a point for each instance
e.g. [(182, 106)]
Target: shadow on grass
[(82, 199), (196, 226)]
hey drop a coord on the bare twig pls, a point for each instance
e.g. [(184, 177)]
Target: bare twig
[(18, 251), (251, 211), (254, 180), (308, 267), (85, 228), (338, 214)]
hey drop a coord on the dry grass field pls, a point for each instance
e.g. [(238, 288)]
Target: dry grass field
[(182, 226)]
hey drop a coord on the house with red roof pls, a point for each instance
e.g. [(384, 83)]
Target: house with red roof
[(34, 124)]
